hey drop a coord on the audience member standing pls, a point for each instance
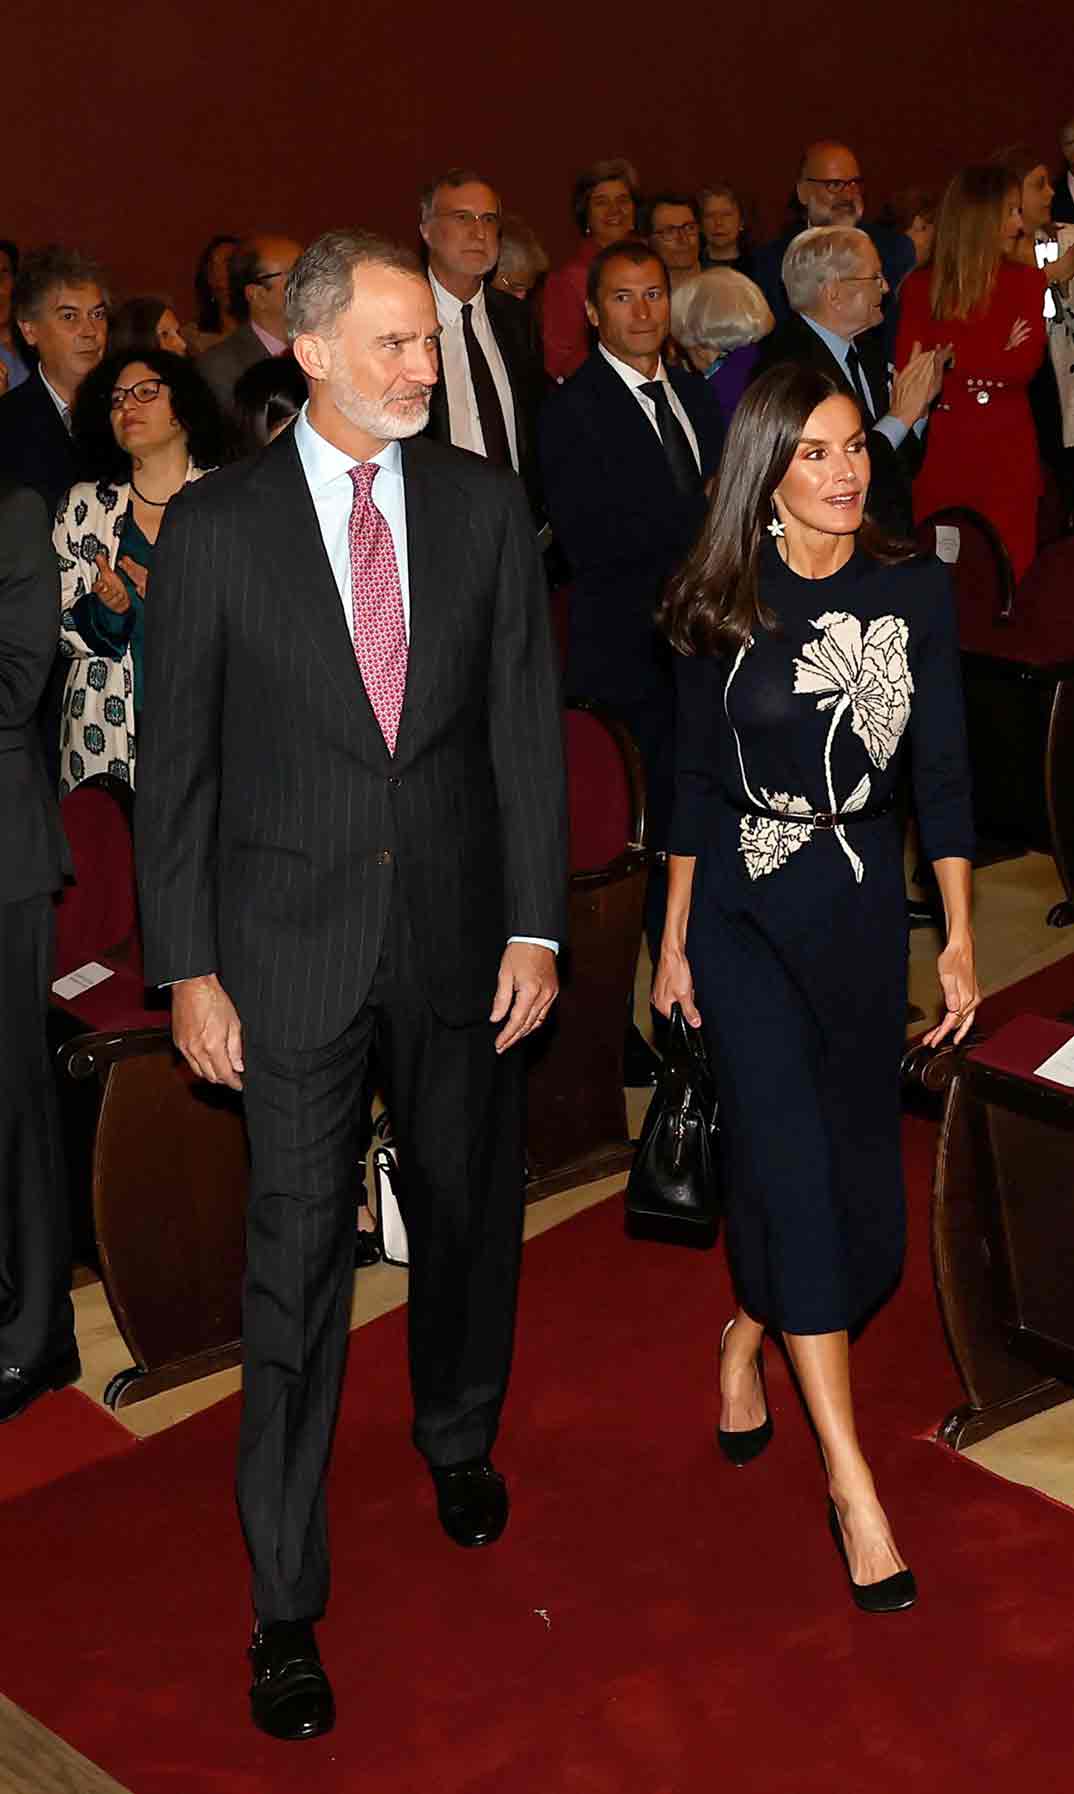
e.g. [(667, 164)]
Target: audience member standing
[(146, 428), (61, 308), (723, 229), (719, 319), (212, 290), (37, 1333), (522, 260), (258, 269), (982, 446), (1063, 204), (836, 286), (913, 212), (13, 369), (606, 199), (626, 447), (268, 397), (352, 825), (491, 382), (673, 227), (145, 323), (830, 190)]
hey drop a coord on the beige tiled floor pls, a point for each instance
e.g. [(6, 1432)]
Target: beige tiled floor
[(1013, 898)]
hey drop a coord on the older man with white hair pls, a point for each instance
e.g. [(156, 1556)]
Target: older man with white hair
[(836, 287)]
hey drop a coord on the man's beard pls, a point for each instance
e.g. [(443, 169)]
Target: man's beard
[(386, 419)]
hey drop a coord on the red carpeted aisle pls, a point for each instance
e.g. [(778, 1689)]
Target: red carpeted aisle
[(56, 1438), (654, 1622)]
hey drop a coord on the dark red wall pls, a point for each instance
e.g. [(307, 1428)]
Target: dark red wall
[(139, 129)]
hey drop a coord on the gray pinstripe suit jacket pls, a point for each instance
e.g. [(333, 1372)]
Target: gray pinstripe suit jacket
[(271, 822)]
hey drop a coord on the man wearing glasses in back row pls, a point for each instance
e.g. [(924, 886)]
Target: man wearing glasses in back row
[(259, 268), (830, 190)]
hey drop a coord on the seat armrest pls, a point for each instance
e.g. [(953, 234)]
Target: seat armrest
[(88, 1054)]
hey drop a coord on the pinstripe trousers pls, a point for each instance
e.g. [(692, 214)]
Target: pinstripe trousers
[(457, 1115)]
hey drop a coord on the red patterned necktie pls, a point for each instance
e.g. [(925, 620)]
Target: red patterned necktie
[(377, 606)]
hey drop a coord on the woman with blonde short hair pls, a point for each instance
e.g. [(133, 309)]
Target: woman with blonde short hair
[(718, 319)]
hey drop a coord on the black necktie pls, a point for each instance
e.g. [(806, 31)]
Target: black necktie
[(489, 409), (674, 438), (858, 383)]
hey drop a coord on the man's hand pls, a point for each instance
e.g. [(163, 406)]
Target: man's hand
[(918, 384), (527, 987), (207, 1030)]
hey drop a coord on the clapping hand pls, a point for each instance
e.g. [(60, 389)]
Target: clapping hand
[(109, 588), (135, 572)]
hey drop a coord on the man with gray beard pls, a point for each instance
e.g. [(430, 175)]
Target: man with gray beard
[(351, 829)]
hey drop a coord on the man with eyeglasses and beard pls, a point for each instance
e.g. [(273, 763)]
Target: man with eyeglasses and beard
[(351, 826), (258, 274), (830, 190)]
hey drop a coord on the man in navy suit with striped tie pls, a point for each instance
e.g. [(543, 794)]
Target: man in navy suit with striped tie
[(351, 828)]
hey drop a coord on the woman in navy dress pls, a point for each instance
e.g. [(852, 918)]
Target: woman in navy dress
[(812, 656)]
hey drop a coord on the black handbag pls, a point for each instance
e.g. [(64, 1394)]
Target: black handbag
[(674, 1192)]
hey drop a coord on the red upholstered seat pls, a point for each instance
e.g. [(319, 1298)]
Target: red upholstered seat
[(97, 916), (1041, 630), (982, 576), (1021, 1045), (601, 801)]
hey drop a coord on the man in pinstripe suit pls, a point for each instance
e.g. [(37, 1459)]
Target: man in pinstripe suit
[(351, 826)]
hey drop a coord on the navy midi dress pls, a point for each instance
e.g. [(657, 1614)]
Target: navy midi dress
[(797, 939)]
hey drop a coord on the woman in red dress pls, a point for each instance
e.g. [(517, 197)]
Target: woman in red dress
[(982, 445), (605, 202)]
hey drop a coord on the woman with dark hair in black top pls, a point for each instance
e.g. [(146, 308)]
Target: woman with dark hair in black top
[(212, 290), (811, 655)]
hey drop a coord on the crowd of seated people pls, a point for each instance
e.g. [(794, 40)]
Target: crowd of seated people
[(950, 321)]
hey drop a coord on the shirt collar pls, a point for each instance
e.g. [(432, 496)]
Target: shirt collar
[(633, 379), (61, 405), (839, 345), (274, 344), (448, 308), (323, 463)]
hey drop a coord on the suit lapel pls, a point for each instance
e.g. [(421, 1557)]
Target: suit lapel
[(292, 537), (629, 425), (437, 519)]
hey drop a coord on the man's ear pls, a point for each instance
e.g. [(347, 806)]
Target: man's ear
[(312, 354), (29, 330), (423, 232), (592, 314)]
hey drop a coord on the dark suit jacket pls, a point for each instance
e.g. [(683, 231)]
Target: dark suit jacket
[(271, 822), (35, 445), (513, 327), (892, 469), (621, 520), (1063, 203), (221, 365), (35, 854)]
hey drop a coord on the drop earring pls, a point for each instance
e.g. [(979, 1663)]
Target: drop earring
[(775, 528)]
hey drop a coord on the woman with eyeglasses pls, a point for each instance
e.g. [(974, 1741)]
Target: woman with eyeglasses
[(146, 427), (979, 297)]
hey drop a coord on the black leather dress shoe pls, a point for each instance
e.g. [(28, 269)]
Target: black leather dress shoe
[(891, 1595), (19, 1387), (366, 1250), (471, 1500), (290, 1697)]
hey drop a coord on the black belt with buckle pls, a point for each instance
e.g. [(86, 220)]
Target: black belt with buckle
[(816, 819)]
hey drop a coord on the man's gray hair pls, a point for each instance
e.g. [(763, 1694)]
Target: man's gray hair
[(42, 270), (817, 257), (320, 286), (719, 309)]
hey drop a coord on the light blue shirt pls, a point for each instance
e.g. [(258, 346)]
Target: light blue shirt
[(888, 426), (328, 476)]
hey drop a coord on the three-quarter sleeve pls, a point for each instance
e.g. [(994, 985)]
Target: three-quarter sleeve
[(698, 688), (940, 762)]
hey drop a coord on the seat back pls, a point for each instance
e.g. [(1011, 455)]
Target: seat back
[(1059, 782), (99, 912), (605, 789), (980, 569)]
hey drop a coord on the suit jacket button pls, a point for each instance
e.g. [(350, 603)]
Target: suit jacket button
[(384, 858), (395, 782)]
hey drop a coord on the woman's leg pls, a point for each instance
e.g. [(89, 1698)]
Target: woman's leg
[(742, 1401), (822, 1363)]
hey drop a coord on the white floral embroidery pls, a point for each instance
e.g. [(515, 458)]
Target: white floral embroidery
[(867, 674)]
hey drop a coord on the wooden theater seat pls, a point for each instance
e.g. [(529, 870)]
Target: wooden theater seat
[(1017, 652), (1003, 1229), (157, 1159), (577, 1129)]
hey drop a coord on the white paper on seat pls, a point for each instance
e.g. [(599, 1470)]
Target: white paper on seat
[(1060, 1067), (83, 978), (948, 542)]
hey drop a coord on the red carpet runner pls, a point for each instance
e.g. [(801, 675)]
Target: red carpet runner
[(654, 1622)]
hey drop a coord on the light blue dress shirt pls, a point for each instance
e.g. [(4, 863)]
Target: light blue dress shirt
[(328, 476), (888, 426)]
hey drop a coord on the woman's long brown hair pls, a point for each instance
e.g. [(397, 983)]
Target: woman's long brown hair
[(969, 245), (713, 604)]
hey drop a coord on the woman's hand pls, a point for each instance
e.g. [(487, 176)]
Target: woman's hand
[(1019, 331), (109, 588), (136, 573), (673, 984), (1060, 271), (958, 981)]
